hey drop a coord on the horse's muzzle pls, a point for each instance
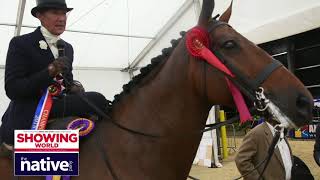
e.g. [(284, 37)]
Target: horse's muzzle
[(304, 110)]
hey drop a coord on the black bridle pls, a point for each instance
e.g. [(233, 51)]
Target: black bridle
[(248, 87), (251, 88)]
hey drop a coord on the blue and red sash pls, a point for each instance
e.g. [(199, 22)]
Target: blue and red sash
[(42, 113)]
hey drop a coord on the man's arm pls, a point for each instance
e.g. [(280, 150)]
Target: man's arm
[(76, 87), (69, 75), (245, 156), (18, 83)]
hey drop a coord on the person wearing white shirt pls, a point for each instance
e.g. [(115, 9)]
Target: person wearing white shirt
[(254, 150)]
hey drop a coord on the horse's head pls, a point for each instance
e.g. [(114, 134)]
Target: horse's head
[(253, 69)]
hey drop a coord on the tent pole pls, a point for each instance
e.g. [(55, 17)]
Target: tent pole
[(291, 49), (186, 5), (21, 7)]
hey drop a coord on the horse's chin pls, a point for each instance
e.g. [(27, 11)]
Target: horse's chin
[(303, 117), (290, 118), (301, 120)]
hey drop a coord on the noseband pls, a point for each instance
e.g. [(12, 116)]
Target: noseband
[(252, 88)]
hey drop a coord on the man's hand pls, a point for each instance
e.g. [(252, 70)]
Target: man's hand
[(60, 65), (76, 88)]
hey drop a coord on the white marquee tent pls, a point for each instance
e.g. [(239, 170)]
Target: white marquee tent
[(111, 35)]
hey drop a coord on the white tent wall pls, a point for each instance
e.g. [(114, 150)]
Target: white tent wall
[(107, 82), (297, 22), (263, 21), (188, 18)]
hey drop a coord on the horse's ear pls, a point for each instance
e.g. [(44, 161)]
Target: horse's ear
[(226, 15), (206, 12)]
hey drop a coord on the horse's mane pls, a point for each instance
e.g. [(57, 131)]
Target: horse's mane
[(166, 52)]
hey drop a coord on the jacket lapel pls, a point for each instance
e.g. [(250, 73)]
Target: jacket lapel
[(46, 53), (269, 139)]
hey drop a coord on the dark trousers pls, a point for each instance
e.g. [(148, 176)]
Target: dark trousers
[(74, 105)]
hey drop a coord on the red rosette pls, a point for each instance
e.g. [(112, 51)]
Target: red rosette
[(197, 38)]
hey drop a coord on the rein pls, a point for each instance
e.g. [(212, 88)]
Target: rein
[(210, 127), (103, 151)]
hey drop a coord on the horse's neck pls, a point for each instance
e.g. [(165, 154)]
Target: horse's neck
[(167, 105)]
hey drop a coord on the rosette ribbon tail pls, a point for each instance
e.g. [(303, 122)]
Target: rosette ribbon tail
[(234, 90), (197, 41)]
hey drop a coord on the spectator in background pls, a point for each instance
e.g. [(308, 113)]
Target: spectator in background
[(254, 150), (316, 151)]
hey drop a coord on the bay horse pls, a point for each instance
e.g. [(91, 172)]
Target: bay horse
[(172, 97)]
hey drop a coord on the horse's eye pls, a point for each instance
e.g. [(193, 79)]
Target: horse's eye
[(229, 44)]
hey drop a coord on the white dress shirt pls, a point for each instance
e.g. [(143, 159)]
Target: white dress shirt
[(284, 152), (51, 41)]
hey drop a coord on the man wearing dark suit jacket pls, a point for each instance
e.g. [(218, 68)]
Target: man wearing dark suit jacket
[(254, 149), (31, 65), (316, 151)]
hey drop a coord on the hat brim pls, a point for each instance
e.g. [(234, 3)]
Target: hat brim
[(37, 9)]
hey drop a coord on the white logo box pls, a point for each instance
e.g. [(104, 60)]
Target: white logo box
[(46, 140)]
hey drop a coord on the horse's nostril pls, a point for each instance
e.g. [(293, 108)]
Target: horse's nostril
[(303, 102), (304, 110)]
